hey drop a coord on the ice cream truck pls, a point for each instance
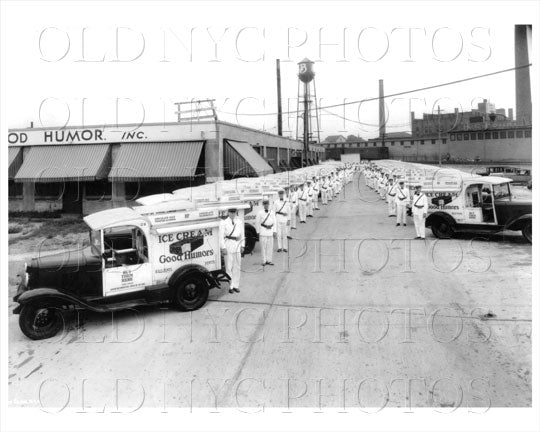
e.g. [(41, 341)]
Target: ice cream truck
[(460, 202), (164, 253)]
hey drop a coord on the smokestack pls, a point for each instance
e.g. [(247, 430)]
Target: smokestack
[(279, 116), (382, 116), (510, 113), (523, 78)]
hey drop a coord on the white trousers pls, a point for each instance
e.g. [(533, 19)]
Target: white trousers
[(233, 261), (401, 214), (294, 207), (267, 247), (302, 210), (309, 208), (316, 200), (282, 231), (324, 197), (420, 224), (391, 206)]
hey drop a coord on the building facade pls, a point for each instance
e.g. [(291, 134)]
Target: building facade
[(81, 170)]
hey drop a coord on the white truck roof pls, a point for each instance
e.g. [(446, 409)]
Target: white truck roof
[(106, 218)]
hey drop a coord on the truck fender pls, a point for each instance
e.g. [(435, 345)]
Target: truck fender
[(519, 222), (54, 296), (192, 268), (448, 218)]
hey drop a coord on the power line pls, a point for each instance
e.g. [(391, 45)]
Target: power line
[(390, 95)]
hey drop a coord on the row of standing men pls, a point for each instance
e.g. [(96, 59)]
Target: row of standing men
[(398, 198), (295, 204)]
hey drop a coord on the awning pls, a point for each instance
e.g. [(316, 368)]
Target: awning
[(157, 161), (48, 164), (241, 160), (15, 161)]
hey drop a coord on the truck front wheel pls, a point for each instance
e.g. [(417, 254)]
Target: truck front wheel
[(527, 231), (191, 292), (442, 229), (39, 322)]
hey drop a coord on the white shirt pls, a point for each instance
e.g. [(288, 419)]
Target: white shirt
[(267, 218), (281, 206), (419, 203), (402, 196), (303, 195), (293, 198), (233, 229)]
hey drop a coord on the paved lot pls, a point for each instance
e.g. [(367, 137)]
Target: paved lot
[(355, 316)]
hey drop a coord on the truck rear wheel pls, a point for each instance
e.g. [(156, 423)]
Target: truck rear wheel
[(191, 292), (442, 229), (527, 231), (250, 240), (40, 322)]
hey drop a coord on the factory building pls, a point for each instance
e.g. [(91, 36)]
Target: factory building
[(82, 170)]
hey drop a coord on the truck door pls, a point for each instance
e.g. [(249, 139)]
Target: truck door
[(488, 211), (126, 267)]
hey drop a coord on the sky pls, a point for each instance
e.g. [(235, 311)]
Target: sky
[(85, 64)]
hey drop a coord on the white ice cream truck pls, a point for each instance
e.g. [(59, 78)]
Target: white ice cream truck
[(163, 253)]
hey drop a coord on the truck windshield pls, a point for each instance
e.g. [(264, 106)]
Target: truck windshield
[(95, 242), (501, 190)]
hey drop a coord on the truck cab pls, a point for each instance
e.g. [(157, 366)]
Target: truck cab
[(480, 204)]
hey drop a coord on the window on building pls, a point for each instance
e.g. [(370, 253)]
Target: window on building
[(402, 142), (495, 135), (510, 134), (487, 135), (473, 136), (452, 137), (15, 190), (459, 137), (98, 190), (444, 140), (374, 144), (433, 141), (422, 142), (465, 137), (527, 134), (480, 135), (392, 143), (365, 144), (49, 190), (503, 134), (519, 134)]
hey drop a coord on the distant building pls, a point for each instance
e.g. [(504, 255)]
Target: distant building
[(335, 139)]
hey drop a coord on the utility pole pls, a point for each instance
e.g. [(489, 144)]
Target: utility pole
[(279, 116), (439, 128)]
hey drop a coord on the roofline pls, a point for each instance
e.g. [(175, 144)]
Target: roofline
[(165, 124)]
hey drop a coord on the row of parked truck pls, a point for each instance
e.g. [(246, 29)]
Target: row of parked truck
[(163, 249)]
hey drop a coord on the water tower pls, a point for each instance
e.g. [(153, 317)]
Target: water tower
[(305, 114)]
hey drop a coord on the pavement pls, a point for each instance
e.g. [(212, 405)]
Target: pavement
[(355, 316)]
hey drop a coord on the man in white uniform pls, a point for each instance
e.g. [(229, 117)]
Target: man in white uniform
[(310, 199), (316, 188), (281, 210), (266, 228), (402, 199), (293, 203), (302, 203), (391, 197), (324, 190), (419, 211), (232, 247)]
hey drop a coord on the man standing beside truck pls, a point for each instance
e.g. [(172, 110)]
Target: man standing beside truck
[(419, 211), (232, 241), (266, 228)]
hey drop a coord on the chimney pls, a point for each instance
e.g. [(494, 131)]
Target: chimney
[(510, 113), (382, 116), (523, 78)]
